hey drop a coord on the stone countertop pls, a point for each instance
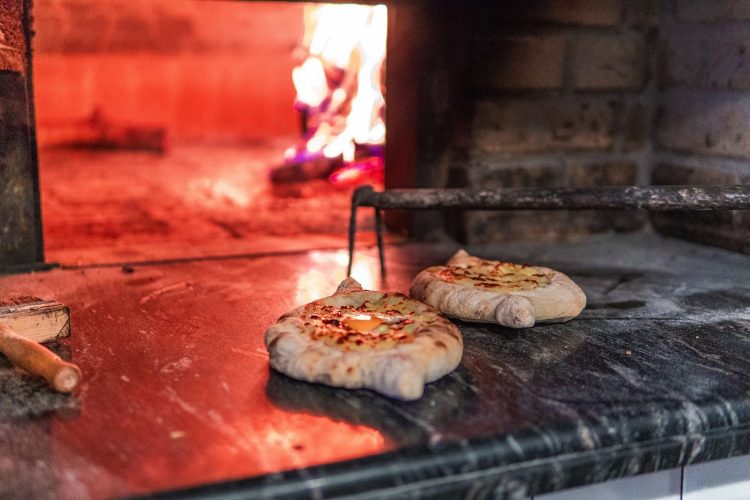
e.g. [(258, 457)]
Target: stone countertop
[(178, 396)]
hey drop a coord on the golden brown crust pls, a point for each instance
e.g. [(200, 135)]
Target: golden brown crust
[(512, 295), (494, 276), (355, 338), (337, 325)]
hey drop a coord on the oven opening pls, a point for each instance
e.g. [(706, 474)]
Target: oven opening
[(179, 128), (573, 177)]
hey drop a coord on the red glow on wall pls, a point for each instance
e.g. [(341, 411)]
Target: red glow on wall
[(216, 71)]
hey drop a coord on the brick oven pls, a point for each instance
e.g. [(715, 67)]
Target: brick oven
[(523, 94), (176, 251)]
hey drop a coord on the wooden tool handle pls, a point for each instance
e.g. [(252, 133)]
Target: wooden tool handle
[(38, 360)]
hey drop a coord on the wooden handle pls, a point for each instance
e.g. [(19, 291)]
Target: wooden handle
[(38, 360)]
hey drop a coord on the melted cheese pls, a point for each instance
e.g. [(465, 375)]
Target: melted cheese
[(494, 276), (376, 321)]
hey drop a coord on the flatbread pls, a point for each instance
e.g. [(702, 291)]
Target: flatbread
[(358, 338), (512, 295)]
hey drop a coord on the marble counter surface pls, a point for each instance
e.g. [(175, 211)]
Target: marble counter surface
[(178, 397)]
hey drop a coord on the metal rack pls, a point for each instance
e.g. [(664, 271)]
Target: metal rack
[(602, 198)]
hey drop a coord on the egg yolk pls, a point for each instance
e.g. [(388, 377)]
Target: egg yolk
[(363, 323)]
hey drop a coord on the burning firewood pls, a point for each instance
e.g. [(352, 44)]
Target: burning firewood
[(339, 90)]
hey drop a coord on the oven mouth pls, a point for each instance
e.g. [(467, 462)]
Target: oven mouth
[(215, 128)]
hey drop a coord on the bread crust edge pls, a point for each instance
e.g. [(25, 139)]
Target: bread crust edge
[(400, 372), (561, 300)]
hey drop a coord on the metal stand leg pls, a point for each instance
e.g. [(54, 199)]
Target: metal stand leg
[(357, 196), (379, 234), (352, 232)]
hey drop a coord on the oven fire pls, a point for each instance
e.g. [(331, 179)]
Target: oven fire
[(340, 96)]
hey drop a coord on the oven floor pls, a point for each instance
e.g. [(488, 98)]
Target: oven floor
[(194, 201), (177, 389)]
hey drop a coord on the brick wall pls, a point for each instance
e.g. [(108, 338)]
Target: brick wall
[(203, 70), (703, 127), (561, 96), (583, 93)]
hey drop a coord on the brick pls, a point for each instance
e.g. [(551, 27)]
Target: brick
[(703, 227), (12, 61), (608, 62), (132, 32), (542, 225), (166, 26), (586, 222), (584, 175), (482, 227), (741, 229), (719, 60), (668, 173), (705, 123), (498, 227), (579, 12), (486, 227), (727, 229), (486, 175), (53, 22), (712, 11), (636, 126), (520, 62), (86, 32), (642, 13), (542, 125), (175, 30)]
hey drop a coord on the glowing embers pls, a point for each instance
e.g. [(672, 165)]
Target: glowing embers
[(369, 171), (340, 94)]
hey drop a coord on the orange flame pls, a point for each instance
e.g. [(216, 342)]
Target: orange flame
[(341, 76)]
